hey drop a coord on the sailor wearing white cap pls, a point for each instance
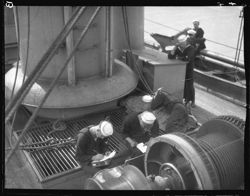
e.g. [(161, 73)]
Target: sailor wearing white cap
[(91, 142), (147, 99), (186, 51), (140, 127)]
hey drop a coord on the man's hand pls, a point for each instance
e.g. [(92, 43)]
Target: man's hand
[(131, 142), (97, 157)]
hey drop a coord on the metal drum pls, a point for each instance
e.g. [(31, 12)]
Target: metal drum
[(212, 160), (118, 178)]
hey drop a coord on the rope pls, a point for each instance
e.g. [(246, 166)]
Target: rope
[(134, 62), (17, 68), (58, 125), (18, 50), (28, 45), (239, 44)]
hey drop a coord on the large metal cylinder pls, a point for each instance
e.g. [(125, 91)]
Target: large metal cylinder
[(212, 160), (91, 89), (118, 178)]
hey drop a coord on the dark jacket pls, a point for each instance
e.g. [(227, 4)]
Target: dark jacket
[(87, 146), (199, 39), (188, 54), (178, 114), (132, 129)]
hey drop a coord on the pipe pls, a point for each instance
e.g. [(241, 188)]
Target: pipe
[(107, 42), (110, 44), (221, 58), (23, 91), (108, 67), (224, 65), (69, 45), (52, 85)]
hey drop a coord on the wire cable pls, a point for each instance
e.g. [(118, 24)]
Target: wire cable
[(134, 62), (17, 68), (25, 68)]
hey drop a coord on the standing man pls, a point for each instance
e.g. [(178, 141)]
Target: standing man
[(91, 145), (199, 36), (140, 127), (185, 51)]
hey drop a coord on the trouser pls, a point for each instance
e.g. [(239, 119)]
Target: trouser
[(189, 92)]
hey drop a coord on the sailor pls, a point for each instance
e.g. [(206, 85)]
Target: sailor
[(140, 127), (191, 36), (91, 144), (199, 36), (178, 114), (185, 51)]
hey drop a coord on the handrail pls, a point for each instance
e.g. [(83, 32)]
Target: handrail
[(42, 64), (52, 85)]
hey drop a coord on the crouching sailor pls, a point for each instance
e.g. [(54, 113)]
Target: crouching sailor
[(92, 145), (139, 128)]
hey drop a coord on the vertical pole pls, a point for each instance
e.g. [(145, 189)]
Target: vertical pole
[(69, 46), (110, 43), (108, 63), (106, 41)]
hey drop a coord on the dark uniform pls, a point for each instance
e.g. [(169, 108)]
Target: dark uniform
[(178, 114), (187, 54), (199, 39), (133, 129), (87, 146)]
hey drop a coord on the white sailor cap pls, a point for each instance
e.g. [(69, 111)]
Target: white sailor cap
[(148, 117), (147, 98), (196, 20), (106, 128), (191, 31), (182, 38)]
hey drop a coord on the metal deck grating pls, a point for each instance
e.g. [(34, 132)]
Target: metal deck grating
[(55, 162)]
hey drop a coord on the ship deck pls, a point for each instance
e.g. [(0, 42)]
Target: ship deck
[(19, 174)]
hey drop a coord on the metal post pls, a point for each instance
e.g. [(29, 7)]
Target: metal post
[(52, 85), (42, 64), (69, 45), (107, 41), (110, 57)]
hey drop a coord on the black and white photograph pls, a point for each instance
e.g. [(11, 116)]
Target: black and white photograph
[(149, 98)]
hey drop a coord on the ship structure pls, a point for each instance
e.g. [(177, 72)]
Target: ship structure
[(68, 67)]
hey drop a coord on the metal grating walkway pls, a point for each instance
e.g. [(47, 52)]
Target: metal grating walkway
[(50, 163)]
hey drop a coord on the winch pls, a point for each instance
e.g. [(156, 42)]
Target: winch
[(213, 159)]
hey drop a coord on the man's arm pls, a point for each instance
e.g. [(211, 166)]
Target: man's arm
[(172, 54), (155, 129), (127, 132), (83, 153)]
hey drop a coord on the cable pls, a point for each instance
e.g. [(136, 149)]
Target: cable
[(28, 45), (239, 44), (17, 68), (144, 82), (18, 49), (25, 68)]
